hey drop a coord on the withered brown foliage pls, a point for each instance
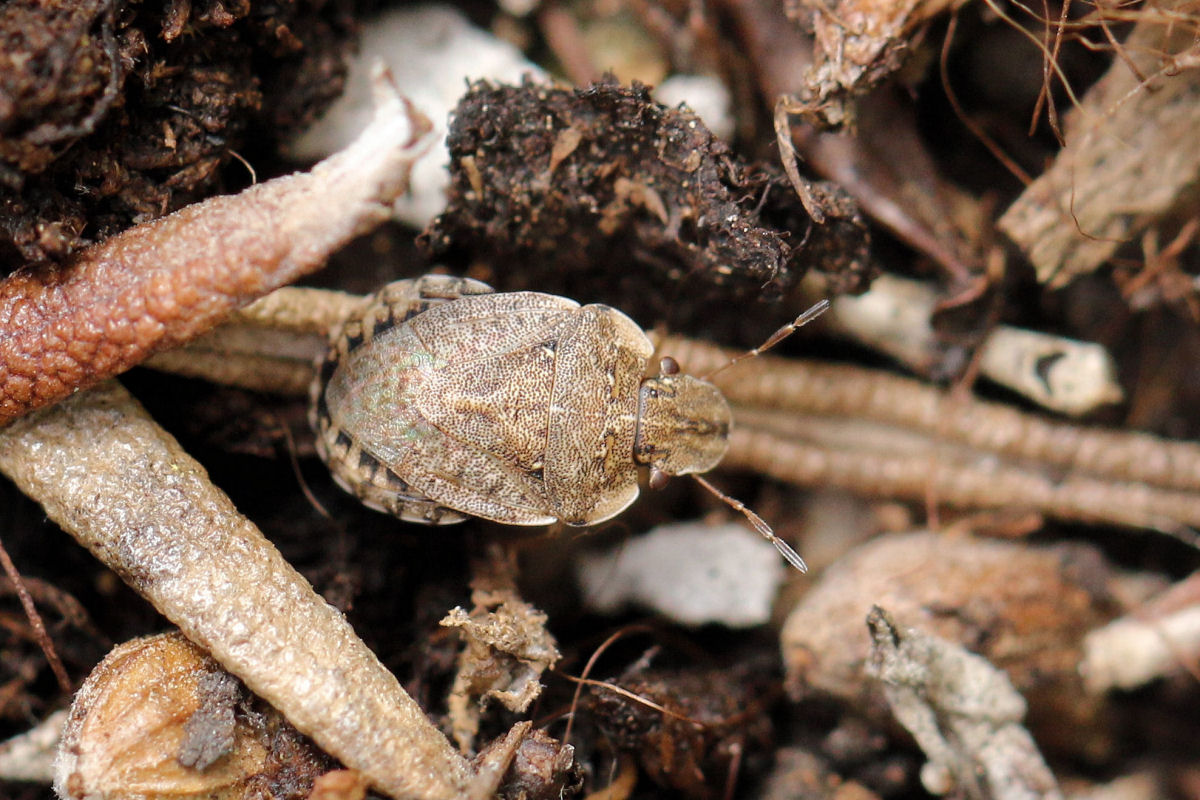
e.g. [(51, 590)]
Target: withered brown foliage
[(162, 709)]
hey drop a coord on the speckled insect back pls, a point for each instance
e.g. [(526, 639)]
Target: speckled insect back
[(441, 399)]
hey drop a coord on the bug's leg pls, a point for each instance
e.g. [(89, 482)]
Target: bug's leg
[(396, 302), (785, 107)]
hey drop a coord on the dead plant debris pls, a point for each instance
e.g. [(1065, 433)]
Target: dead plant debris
[(1125, 168), (506, 648), (691, 729), (1032, 166), (160, 713), (1022, 608)]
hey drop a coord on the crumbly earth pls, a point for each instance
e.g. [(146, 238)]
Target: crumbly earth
[(559, 180), (114, 112)]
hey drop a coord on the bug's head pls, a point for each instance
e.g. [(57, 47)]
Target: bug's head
[(683, 424)]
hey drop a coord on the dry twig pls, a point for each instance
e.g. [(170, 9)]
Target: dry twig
[(1156, 640), (884, 435), (895, 316), (106, 473), (162, 283)]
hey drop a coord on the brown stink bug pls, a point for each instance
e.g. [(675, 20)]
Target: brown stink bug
[(441, 399)]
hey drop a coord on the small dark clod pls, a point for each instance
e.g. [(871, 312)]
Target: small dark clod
[(1044, 365), (114, 112), (648, 189)]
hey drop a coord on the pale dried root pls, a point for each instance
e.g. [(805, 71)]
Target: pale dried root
[(268, 346), (167, 281), (1160, 637), (106, 473), (850, 392), (882, 461)]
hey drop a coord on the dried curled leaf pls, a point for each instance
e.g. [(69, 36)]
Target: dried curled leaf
[(859, 43), (1130, 162), (159, 718)]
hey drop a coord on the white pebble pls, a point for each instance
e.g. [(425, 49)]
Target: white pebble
[(707, 95), (692, 573)]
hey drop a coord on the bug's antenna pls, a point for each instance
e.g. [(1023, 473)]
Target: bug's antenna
[(759, 524), (775, 338)]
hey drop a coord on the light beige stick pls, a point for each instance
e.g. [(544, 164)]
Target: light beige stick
[(268, 346), (842, 390), (110, 476), (885, 462)]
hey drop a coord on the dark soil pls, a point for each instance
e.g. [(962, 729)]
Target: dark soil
[(115, 112)]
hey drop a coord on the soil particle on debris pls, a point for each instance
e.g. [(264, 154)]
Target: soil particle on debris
[(691, 729)]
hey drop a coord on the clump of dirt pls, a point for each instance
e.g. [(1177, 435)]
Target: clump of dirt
[(113, 113), (688, 728), (558, 180)]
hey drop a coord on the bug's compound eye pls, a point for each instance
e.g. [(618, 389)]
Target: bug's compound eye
[(668, 366), (658, 478)]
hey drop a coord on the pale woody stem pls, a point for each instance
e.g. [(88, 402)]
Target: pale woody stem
[(106, 473), (884, 435)]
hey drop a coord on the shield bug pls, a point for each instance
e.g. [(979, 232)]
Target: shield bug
[(441, 399)]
